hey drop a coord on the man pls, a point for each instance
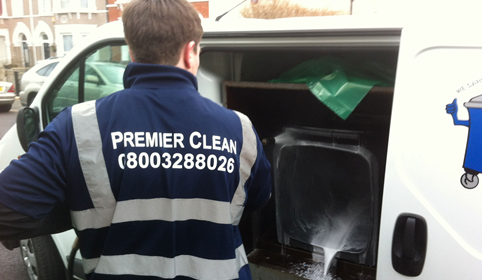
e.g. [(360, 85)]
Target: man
[(155, 176)]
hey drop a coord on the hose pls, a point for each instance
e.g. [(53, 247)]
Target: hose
[(73, 252)]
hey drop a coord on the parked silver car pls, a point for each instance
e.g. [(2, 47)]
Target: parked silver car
[(7, 96), (101, 79), (34, 78)]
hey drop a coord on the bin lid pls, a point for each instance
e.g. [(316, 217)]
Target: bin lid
[(475, 102)]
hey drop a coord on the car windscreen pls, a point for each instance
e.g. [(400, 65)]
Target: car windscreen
[(46, 70), (113, 72)]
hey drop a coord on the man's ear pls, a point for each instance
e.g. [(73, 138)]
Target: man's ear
[(130, 54), (188, 54)]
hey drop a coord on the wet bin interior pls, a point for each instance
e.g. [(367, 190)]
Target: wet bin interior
[(326, 193), (325, 170)]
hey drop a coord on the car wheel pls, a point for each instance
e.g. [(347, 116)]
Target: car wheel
[(5, 107), (42, 259)]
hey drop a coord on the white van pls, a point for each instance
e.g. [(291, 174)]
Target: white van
[(395, 182)]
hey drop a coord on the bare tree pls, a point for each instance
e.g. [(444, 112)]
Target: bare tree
[(271, 9)]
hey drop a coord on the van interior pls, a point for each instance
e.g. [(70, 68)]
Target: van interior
[(328, 172)]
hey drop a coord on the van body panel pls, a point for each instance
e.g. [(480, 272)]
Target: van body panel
[(10, 147), (426, 152)]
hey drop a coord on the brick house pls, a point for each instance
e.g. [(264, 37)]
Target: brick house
[(115, 8), (32, 30), (202, 6)]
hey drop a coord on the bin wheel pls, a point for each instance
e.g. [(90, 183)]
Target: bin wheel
[(469, 181)]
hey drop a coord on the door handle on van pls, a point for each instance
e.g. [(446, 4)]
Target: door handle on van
[(409, 245)]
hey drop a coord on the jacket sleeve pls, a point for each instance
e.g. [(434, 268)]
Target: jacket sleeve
[(259, 183), (16, 226), (32, 189)]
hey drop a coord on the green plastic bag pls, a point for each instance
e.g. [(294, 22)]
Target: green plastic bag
[(338, 84)]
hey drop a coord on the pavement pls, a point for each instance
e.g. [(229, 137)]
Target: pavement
[(11, 265)]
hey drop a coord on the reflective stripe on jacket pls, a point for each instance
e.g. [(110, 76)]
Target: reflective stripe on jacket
[(108, 211)]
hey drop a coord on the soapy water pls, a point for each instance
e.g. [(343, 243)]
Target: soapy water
[(324, 196), (304, 268), (314, 271), (335, 231), (347, 232), (319, 271), (329, 254)]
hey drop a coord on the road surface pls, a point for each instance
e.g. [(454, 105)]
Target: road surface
[(11, 264)]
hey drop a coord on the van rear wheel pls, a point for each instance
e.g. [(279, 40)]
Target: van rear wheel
[(42, 259)]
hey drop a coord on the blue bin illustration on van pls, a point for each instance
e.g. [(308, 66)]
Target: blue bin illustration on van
[(473, 152)]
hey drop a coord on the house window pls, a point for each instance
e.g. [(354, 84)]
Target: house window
[(3, 49), (64, 4), (84, 4), (17, 8), (44, 6), (45, 45), (68, 43), (25, 50)]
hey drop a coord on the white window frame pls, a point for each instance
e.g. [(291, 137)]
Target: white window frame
[(4, 9), (76, 30), (44, 7), (17, 8), (63, 41), (5, 33), (74, 6), (44, 41), (68, 6)]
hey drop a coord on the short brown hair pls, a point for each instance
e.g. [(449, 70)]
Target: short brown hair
[(156, 30)]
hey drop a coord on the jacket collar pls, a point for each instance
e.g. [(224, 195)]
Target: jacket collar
[(145, 75)]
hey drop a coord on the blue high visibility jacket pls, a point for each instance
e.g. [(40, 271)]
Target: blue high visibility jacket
[(156, 178)]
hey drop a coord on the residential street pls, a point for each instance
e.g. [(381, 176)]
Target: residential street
[(7, 119)]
